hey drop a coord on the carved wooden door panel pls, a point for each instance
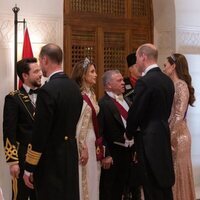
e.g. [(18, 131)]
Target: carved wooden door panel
[(105, 31)]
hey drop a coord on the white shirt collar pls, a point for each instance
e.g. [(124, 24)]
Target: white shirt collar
[(33, 96), (26, 87), (53, 74), (111, 94), (115, 96), (149, 68)]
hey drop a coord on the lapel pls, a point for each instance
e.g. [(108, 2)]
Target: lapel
[(112, 107), (26, 102)]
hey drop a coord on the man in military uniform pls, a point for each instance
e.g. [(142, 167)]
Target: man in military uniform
[(52, 155), (18, 121), (132, 190), (134, 75)]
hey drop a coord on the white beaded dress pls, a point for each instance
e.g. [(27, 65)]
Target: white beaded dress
[(89, 175)]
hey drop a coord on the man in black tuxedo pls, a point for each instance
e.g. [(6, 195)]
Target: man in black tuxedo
[(148, 123), (52, 155), (112, 123), (18, 118)]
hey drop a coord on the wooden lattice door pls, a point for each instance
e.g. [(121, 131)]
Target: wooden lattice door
[(106, 31)]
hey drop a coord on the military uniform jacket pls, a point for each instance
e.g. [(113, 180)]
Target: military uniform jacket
[(18, 120), (53, 154), (129, 89)]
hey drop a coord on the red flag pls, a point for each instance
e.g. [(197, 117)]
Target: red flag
[(27, 50)]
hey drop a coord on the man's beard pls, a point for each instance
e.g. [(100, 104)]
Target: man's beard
[(36, 84)]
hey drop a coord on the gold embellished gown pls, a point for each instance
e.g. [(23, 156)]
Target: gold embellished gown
[(181, 144), (89, 175)]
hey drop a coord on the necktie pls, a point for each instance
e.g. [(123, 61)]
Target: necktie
[(31, 91), (119, 98)]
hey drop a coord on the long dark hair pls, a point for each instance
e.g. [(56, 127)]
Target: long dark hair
[(182, 71), (79, 71)]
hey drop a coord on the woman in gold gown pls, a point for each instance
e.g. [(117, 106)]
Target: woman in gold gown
[(176, 67)]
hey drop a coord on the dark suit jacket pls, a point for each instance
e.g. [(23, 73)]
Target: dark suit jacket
[(18, 118), (153, 97), (59, 106), (110, 123), (112, 129)]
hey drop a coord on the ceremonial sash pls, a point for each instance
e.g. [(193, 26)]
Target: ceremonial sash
[(121, 109), (94, 116), (100, 150)]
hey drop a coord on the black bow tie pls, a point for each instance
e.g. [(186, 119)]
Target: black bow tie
[(31, 91)]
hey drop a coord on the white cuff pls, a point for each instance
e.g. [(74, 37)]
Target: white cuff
[(129, 143), (27, 173)]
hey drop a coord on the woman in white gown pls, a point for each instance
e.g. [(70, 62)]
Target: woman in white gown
[(84, 74)]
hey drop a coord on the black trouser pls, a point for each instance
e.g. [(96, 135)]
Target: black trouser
[(113, 180), (132, 193), (19, 190), (132, 189)]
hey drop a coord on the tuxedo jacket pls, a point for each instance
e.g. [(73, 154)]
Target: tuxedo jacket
[(110, 123), (152, 101), (18, 118), (114, 179), (52, 155)]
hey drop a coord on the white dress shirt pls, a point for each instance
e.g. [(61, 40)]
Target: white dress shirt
[(122, 102), (33, 96), (149, 68)]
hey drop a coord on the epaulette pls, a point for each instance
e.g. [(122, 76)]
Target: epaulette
[(13, 93)]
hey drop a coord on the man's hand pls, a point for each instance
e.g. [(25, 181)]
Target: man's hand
[(14, 170), (107, 162), (125, 137), (28, 179), (135, 160)]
